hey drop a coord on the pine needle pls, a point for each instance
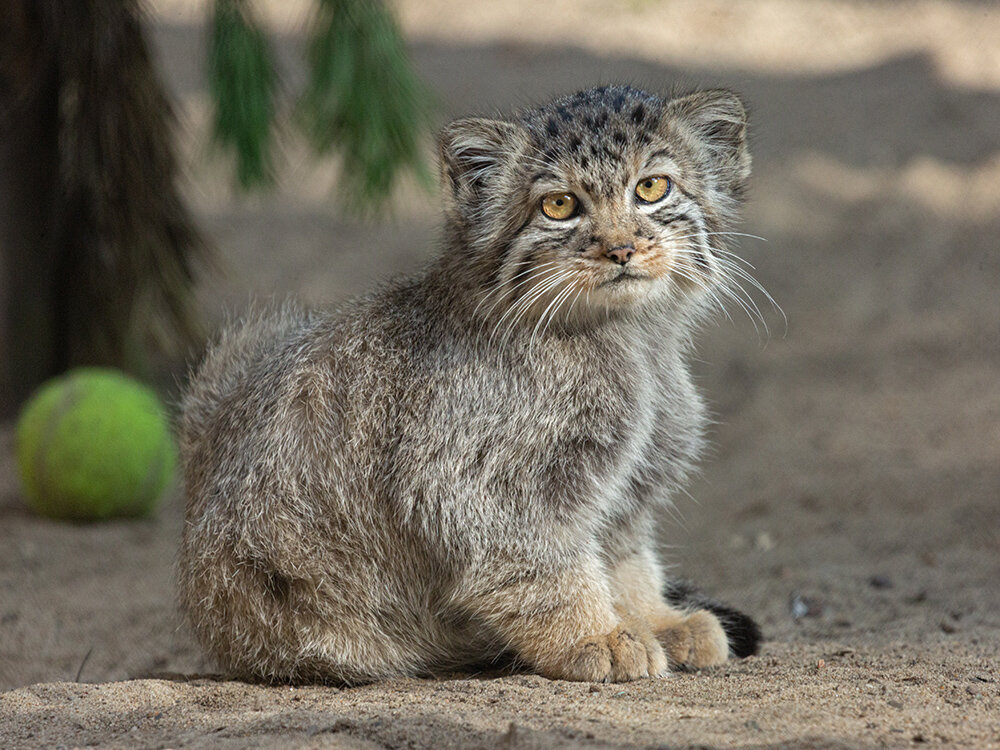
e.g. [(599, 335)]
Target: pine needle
[(363, 99), (242, 81)]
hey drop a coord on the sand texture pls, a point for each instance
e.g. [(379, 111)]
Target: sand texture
[(851, 501)]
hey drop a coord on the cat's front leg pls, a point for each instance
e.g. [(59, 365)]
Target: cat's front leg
[(691, 639), (562, 622)]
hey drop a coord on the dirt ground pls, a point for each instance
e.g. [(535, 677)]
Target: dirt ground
[(852, 499)]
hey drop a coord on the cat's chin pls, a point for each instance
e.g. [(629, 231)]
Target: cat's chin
[(626, 278), (626, 291)]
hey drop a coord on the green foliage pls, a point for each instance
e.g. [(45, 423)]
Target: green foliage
[(363, 98), (242, 80)]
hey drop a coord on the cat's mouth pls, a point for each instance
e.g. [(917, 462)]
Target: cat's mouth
[(624, 277)]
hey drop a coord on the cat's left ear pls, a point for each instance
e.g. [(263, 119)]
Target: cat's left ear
[(718, 120), (474, 155)]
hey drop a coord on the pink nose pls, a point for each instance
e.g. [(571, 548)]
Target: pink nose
[(620, 254)]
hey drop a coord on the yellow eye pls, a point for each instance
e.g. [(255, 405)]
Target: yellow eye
[(559, 206), (652, 189)]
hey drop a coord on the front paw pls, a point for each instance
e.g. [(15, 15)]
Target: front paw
[(622, 655), (694, 641)]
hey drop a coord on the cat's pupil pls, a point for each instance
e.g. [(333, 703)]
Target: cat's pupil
[(648, 184), (559, 201)]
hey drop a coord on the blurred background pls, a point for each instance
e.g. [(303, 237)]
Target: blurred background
[(853, 491)]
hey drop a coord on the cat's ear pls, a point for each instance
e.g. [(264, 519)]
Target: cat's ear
[(718, 120), (474, 153)]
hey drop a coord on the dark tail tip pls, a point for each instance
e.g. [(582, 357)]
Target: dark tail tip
[(742, 631)]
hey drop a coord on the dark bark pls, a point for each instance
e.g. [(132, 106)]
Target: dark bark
[(97, 249), (29, 341)]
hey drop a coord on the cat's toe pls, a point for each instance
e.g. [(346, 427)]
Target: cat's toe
[(695, 642), (619, 656), (629, 659), (657, 664)]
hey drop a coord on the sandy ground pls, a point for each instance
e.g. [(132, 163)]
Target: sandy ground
[(855, 479)]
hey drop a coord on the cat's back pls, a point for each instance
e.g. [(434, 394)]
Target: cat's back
[(241, 369), (285, 383)]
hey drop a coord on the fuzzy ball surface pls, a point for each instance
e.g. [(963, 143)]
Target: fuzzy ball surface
[(94, 444)]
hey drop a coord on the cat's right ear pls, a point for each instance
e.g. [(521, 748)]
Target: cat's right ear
[(474, 153)]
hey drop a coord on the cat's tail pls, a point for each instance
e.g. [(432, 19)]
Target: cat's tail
[(742, 632)]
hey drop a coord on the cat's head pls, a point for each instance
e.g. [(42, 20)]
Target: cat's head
[(600, 201)]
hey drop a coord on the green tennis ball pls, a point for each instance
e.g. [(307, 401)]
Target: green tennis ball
[(94, 444)]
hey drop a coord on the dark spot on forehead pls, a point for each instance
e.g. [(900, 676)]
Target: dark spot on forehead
[(599, 123), (589, 101)]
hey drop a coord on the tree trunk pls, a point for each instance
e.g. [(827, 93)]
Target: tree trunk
[(28, 179), (97, 249)]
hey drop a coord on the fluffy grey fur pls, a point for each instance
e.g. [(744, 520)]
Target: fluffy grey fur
[(467, 463)]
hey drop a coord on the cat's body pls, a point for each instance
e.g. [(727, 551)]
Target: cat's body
[(468, 463)]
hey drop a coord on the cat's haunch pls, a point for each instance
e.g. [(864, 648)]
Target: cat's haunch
[(467, 464)]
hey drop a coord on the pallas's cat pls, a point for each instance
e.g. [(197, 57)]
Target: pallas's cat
[(467, 464)]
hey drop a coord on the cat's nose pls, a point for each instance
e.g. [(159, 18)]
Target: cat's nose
[(620, 254)]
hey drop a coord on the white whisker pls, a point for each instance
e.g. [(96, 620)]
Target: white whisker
[(500, 286), (557, 300), (521, 307)]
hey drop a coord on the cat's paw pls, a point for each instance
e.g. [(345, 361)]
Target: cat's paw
[(624, 654), (697, 640)]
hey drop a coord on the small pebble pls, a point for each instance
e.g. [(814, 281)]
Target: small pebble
[(821, 663), (801, 606), (880, 582), (763, 542), (947, 627)]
